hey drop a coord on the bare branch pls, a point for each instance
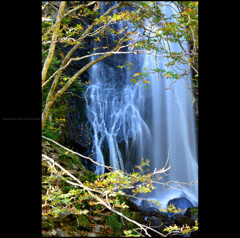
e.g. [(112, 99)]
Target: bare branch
[(90, 191)]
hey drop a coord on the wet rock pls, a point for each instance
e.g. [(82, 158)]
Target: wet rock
[(181, 220), (155, 221), (192, 212), (182, 203)]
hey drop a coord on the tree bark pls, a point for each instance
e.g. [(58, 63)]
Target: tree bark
[(53, 44)]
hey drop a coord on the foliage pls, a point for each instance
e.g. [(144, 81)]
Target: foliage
[(158, 31), (59, 195), (185, 229)]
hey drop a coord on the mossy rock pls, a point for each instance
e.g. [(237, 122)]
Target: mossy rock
[(83, 222), (46, 225), (192, 212), (47, 222)]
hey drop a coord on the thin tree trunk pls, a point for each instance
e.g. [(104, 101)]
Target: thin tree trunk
[(53, 44)]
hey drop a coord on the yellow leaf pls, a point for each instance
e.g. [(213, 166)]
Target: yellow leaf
[(146, 81), (136, 74), (97, 40)]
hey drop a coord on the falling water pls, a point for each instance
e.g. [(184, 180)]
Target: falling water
[(131, 122)]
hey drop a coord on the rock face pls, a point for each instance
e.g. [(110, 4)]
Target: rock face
[(78, 128)]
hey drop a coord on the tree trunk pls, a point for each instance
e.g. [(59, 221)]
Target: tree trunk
[(53, 44)]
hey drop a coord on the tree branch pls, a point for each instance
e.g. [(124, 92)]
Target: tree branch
[(90, 191), (82, 156)]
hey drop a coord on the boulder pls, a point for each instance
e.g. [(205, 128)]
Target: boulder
[(157, 213), (154, 221), (181, 220), (158, 224), (182, 203), (192, 212)]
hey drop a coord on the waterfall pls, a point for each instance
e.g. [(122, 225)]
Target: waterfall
[(130, 122)]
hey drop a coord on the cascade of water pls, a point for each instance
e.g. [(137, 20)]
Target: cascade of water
[(147, 122)]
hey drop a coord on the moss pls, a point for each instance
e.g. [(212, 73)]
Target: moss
[(83, 222), (46, 225), (83, 178), (194, 211), (113, 222), (89, 175)]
